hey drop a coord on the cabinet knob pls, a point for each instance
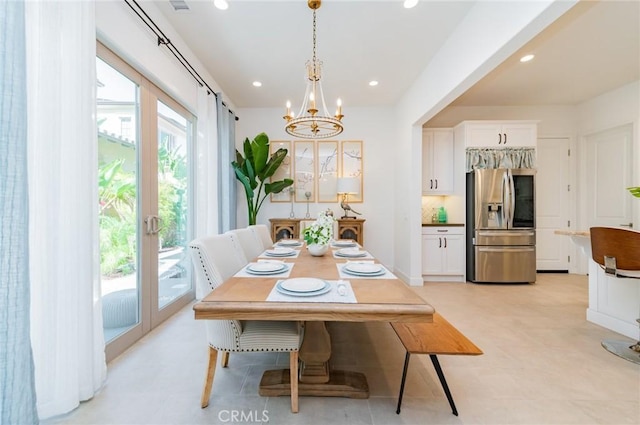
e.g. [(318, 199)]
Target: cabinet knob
[(505, 138), (436, 183), (431, 184), (445, 242), (440, 243), (499, 138)]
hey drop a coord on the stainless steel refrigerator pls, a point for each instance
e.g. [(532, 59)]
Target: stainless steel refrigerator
[(501, 231)]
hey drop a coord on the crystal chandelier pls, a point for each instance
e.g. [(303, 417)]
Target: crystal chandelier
[(309, 123)]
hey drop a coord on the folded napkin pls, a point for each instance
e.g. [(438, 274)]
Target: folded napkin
[(295, 254), (387, 274), (285, 273), (341, 292)]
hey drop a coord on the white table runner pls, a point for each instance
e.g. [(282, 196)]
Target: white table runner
[(244, 273), (387, 274), (333, 296)]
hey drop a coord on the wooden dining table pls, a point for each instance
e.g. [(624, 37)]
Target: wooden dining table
[(377, 300)]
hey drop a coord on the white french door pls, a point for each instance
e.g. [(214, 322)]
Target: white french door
[(144, 148)]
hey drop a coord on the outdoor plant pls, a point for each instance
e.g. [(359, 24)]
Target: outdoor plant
[(320, 231), (254, 171)]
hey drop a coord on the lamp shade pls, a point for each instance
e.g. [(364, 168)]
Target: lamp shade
[(350, 185)]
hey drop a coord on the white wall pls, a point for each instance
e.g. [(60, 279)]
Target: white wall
[(607, 111), (120, 29), (376, 128), (554, 121), (490, 33)]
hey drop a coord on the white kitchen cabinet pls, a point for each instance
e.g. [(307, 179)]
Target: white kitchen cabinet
[(437, 161), (496, 134), (443, 253)]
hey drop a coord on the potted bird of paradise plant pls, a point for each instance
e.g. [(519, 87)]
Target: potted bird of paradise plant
[(255, 169)]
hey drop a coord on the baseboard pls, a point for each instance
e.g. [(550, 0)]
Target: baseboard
[(443, 278), (630, 330)]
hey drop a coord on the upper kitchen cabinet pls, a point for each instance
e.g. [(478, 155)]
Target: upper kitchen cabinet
[(437, 161), (498, 134)]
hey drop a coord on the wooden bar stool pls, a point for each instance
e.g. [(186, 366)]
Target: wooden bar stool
[(617, 251)]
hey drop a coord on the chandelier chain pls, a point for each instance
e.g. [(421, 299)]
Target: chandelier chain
[(314, 121), (315, 71)]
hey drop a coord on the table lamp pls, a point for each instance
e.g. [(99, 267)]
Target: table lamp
[(348, 186)]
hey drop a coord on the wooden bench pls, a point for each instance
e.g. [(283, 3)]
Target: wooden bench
[(438, 337)]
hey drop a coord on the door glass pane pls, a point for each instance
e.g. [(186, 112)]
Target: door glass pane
[(117, 117), (524, 212), (174, 132)]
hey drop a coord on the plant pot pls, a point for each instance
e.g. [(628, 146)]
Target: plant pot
[(318, 250)]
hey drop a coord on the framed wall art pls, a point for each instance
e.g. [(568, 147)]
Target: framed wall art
[(352, 165), (328, 159), (304, 166), (283, 172)]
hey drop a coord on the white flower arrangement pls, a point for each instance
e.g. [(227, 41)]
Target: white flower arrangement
[(321, 231)]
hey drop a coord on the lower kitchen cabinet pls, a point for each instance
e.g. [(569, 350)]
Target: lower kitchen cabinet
[(443, 253)]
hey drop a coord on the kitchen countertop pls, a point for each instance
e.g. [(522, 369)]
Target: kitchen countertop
[(443, 224)]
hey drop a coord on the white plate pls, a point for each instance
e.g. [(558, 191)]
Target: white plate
[(352, 273), (350, 252), (344, 242), (289, 242), (264, 267), (363, 268), (303, 284), (280, 252), (324, 290)]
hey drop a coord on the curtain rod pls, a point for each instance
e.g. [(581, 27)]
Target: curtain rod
[(164, 41)]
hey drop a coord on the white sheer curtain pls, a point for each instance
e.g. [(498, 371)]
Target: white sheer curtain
[(227, 207), (17, 392), (207, 165), (66, 319)]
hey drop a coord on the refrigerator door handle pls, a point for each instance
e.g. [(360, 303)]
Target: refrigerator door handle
[(512, 199), (506, 249), (505, 199)]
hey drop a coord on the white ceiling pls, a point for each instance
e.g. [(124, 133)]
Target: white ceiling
[(593, 48)]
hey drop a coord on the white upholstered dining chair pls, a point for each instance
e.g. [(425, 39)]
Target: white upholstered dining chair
[(262, 232), (249, 241), (216, 259)]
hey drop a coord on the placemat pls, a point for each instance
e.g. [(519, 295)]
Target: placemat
[(330, 297), (343, 275), (243, 271)]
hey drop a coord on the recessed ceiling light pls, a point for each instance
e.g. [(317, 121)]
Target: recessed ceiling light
[(408, 4), (257, 84), (221, 4), (527, 58), (373, 83)]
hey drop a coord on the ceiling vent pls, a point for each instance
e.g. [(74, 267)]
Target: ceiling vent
[(179, 5)]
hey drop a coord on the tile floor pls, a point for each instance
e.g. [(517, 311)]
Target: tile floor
[(542, 364)]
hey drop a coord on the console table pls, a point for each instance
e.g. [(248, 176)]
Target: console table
[(351, 228), (285, 228), (348, 228)]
